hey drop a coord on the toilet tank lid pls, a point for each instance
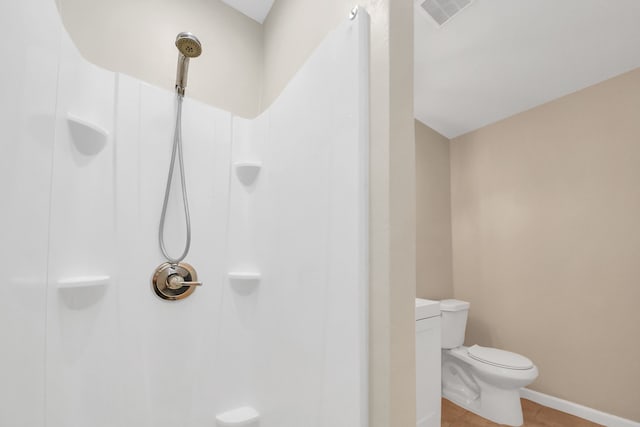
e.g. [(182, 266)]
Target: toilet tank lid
[(453, 305)]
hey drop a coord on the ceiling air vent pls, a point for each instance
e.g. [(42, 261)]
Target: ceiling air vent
[(442, 11)]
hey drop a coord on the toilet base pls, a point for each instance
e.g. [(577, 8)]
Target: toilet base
[(486, 390), (497, 405)]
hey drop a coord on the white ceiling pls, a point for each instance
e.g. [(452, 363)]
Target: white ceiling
[(255, 9), (497, 58), (500, 57)]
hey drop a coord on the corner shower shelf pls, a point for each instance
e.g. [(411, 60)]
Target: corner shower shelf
[(83, 282), (244, 416), (247, 171), (88, 137)]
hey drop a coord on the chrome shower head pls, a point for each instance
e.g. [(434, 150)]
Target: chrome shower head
[(189, 47)]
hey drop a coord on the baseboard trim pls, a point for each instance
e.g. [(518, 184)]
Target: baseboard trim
[(590, 414)]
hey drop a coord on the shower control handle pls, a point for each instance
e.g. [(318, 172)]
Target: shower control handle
[(191, 283), (176, 281)]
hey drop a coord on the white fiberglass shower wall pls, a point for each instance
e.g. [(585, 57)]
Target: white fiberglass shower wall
[(279, 218)]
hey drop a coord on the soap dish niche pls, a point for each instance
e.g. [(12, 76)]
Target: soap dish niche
[(88, 137), (247, 172), (80, 292), (244, 282), (240, 417), (82, 282)]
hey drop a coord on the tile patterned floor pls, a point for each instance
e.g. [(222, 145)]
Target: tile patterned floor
[(534, 416)]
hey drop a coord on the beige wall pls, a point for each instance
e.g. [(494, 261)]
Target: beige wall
[(292, 30), (137, 38), (546, 241), (433, 209)]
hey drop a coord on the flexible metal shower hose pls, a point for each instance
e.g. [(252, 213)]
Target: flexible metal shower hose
[(177, 148)]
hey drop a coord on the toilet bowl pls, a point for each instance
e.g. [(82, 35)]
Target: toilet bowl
[(483, 380)]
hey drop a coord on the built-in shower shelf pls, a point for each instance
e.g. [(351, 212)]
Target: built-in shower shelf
[(245, 276), (88, 137), (247, 172), (83, 282), (244, 282), (244, 416)]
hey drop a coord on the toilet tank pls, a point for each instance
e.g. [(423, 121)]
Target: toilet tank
[(454, 322)]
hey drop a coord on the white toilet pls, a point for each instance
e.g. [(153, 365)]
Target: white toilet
[(483, 380)]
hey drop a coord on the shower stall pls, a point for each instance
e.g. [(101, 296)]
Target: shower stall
[(277, 334)]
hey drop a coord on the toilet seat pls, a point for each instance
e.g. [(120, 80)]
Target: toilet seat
[(500, 358)]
